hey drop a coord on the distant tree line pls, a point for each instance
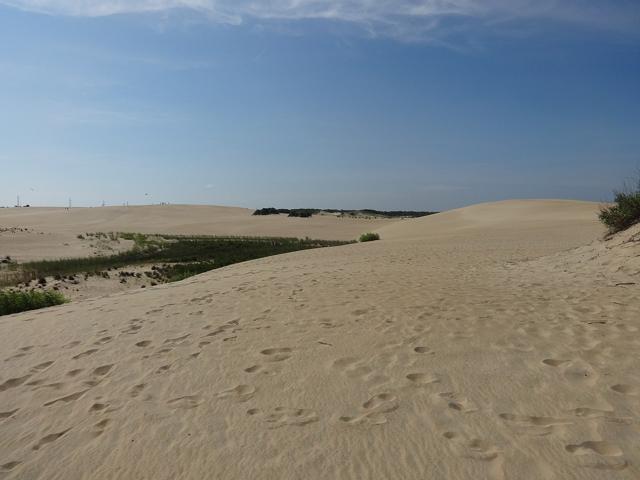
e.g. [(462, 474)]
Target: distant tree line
[(308, 212)]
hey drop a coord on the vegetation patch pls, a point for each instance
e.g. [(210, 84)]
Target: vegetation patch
[(13, 301), (369, 237), (624, 212), (180, 256)]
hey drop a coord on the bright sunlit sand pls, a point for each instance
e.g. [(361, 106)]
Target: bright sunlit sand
[(494, 341)]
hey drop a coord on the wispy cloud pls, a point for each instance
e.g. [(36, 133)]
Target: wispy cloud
[(400, 18)]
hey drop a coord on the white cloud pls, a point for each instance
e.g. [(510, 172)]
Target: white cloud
[(401, 18)]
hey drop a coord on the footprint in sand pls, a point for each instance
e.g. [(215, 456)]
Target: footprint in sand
[(14, 382), (186, 402), (42, 366), (85, 354), (422, 350), (345, 363), (69, 398), (52, 437), (590, 412), (143, 343), (103, 341), (98, 428), (103, 370), (607, 415), (353, 368), (553, 362), (534, 425), (137, 390), (625, 389), (97, 407), (284, 416), (4, 415), (374, 410), (457, 403), (261, 369), (9, 466), (474, 448), (277, 354), (603, 448), (175, 341), (39, 383), (239, 393), (13, 357), (132, 330), (422, 378)]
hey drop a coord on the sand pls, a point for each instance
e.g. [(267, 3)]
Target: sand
[(496, 341), (52, 232)]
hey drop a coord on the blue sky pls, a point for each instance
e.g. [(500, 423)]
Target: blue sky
[(411, 104)]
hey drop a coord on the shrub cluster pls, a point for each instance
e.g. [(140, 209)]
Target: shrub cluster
[(295, 212), (271, 211), (624, 213), (302, 212), (14, 301), (369, 237)]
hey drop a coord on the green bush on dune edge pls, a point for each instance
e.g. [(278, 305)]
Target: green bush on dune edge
[(369, 237), (12, 301), (625, 211)]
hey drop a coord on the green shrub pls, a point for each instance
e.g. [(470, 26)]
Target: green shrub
[(369, 237), (13, 301), (624, 213), (302, 213)]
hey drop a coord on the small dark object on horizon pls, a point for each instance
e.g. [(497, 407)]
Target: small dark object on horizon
[(303, 212)]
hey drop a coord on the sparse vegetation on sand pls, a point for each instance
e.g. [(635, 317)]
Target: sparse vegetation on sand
[(181, 256), (624, 212), (14, 301), (369, 237)]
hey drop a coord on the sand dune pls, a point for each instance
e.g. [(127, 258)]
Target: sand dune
[(52, 232), (479, 343)]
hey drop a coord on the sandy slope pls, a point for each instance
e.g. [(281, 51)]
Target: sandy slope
[(53, 231), (462, 346)]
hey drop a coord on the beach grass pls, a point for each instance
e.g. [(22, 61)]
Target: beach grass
[(15, 301), (624, 212)]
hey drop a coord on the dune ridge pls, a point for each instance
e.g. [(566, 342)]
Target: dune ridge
[(478, 343)]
